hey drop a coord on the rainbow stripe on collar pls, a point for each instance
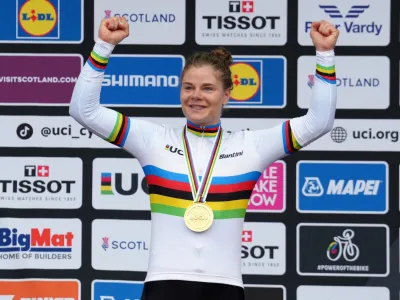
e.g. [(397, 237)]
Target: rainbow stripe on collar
[(203, 131)]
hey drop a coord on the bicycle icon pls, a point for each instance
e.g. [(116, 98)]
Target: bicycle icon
[(343, 246)]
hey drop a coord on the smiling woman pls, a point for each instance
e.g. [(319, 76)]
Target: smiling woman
[(206, 86), (201, 176)]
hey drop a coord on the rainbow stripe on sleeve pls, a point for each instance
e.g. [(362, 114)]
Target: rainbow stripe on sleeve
[(121, 130), (326, 74), (290, 144), (97, 62)]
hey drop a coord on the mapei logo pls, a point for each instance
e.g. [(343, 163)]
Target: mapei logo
[(342, 186), (38, 18), (246, 81), (350, 21)]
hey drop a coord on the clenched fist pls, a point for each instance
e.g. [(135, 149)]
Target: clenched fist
[(324, 35), (114, 30)]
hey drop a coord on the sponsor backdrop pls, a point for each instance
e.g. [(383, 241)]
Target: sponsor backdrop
[(74, 210)]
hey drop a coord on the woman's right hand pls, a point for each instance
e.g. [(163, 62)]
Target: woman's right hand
[(113, 30)]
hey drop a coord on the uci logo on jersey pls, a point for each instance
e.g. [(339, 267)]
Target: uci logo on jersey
[(335, 186), (246, 80), (38, 18)]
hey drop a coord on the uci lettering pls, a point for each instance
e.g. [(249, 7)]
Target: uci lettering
[(133, 185), (175, 150), (243, 22), (37, 186), (258, 252)]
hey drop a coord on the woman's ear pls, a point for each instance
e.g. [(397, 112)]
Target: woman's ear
[(227, 95)]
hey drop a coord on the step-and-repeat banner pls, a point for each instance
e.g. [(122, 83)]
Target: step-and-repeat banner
[(74, 210)]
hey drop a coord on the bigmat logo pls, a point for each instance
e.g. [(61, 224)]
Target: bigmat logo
[(40, 243), (269, 194), (40, 289), (42, 21), (41, 182), (342, 187)]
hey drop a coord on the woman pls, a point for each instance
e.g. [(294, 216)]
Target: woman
[(199, 199)]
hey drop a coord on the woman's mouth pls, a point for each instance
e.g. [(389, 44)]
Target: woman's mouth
[(197, 107)]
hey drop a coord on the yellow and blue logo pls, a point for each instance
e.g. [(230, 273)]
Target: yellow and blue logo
[(258, 81), (246, 81), (38, 18)]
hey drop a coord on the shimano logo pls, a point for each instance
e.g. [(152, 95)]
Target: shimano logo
[(141, 80), (313, 187), (235, 154)]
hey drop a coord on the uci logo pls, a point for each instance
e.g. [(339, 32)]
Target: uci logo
[(38, 17), (246, 81)]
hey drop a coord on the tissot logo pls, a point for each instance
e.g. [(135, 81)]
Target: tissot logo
[(235, 154), (173, 149)]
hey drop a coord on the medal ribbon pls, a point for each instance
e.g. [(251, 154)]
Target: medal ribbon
[(200, 189)]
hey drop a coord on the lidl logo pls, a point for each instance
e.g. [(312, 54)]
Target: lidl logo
[(246, 80), (42, 21), (38, 17), (258, 81)]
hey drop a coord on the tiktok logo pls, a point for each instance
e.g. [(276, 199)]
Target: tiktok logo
[(24, 131)]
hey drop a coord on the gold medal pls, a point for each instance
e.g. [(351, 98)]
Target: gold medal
[(199, 217)]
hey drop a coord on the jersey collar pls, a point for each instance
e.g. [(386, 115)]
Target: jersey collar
[(203, 131)]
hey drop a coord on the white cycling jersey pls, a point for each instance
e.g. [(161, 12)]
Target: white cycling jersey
[(175, 251)]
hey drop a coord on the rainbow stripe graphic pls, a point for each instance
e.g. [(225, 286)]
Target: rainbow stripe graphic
[(326, 74), (121, 130), (290, 144), (332, 248), (206, 131), (106, 188), (97, 62), (170, 193)]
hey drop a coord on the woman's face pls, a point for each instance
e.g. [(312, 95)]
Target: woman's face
[(202, 95)]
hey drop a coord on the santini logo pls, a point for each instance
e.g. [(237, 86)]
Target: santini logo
[(235, 154)]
